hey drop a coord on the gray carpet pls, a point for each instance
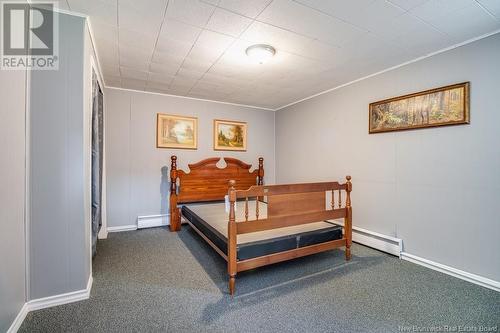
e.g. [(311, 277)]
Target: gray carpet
[(156, 281)]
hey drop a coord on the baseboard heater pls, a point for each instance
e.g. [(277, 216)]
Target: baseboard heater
[(151, 221), (384, 243)]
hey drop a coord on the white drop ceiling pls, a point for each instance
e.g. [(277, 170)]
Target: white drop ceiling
[(197, 48)]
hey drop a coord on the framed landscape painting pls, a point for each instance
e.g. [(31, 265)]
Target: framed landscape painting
[(436, 107), (230, 135), (176, 132)]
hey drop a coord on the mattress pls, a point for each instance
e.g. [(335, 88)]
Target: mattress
[(211, 219)]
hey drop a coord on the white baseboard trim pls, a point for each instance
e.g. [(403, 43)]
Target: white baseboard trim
[(16, 324), (74, 296), (473, 278), (103, 233), (375, 240), (122, 228), (151, 221), (47, 302)]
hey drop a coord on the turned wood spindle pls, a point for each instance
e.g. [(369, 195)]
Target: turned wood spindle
[(260, 175), (348, 191), (231, 234), (261, 172), (175, 217), (340, 199), (333, 199), (246, 208), (348, 219), (257, 208)]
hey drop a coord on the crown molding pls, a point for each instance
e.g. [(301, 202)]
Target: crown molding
[(192, 98)]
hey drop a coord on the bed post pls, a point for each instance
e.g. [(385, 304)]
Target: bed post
[(231, 238), (175, 223), (348, 220), (261, 171)]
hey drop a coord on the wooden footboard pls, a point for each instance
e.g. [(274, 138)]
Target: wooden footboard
[(288, 205)]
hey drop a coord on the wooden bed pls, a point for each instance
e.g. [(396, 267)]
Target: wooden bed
[(275, 222)]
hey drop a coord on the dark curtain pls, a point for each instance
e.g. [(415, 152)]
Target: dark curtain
[(97, 158)]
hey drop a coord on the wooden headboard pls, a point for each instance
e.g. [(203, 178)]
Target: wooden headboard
[(205, 181)]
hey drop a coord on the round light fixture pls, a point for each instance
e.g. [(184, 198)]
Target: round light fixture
[(260, 52)]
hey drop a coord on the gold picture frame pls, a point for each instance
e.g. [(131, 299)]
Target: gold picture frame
[(444, 106), (177, 132), (230, 135)]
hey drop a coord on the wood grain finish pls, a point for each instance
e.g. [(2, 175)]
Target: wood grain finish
[(245, 265), (205, 181), (289, 220), (296, 204)]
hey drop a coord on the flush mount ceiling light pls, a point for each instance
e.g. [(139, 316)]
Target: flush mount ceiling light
[(260, 53)]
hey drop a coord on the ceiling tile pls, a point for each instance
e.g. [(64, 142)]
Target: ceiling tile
[(414, 35), (193, 12), (323, 52), (173, 48), (244, 7), (134, 63), (104, 31), (167, 59), (170, 69), (113, 81), (157, 85), (145, 8), (493, 6), (180, 31), (464, 22), (140, 53), (130, 73), (196, 65), (342, 9), (434, 9), (211, 2), (111, 71), (378, 13), (228, 23), (210, 46), (178, 89), (160, 78), (107, 50), (401, 25), (130, 18), (133, 84), (188, 74), (182, 83), (137, 39), (407, 4), (214, 40), (99, 10), (309, 22)]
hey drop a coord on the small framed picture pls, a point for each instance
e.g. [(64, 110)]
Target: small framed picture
[(230, 135), (176, 132)]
